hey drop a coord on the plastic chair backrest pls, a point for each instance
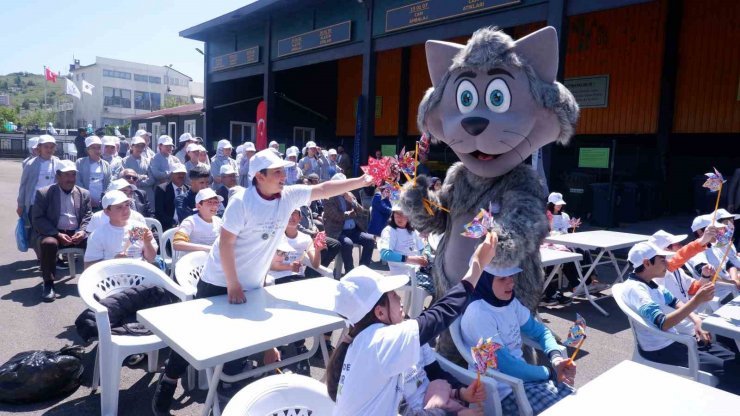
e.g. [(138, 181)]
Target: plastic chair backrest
[(457, 339), (166, 249), (154, 223), (283, 394), (189, 268)]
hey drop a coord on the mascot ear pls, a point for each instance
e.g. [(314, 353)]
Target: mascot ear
[(540, 49), (439, 58)]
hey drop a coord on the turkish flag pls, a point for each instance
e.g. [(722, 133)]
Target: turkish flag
[(261, 125), (50, 76)]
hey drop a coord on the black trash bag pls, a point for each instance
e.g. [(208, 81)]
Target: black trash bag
[(36, 376)]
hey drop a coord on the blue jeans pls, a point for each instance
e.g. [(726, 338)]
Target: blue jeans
[(347, 238)]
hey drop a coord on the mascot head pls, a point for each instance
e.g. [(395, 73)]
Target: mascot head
[(495, 101)]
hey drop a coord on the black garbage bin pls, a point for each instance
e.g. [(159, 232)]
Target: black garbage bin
[(628, 203), (600, 209), (650, 200), (577, 193)]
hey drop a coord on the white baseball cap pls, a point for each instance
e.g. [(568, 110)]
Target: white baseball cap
[(165, 140), (207, 193), (266, 159), (201, 148), (33, 142), (119, 184), (91, 140), (224, 144), (45, 138), (108, 141), (310, 145), (192, 147), (663, 239), (360, 289), (645, 251), (137, 140), (723, 214), (185, 137), (332, 152), (226, 170), (239, 149), (141, 132), (114, 198), (556, 198), (702, 221), (179, 168), (338, 177), (249, 147), (273, 143), (291, 153), (66, 166)]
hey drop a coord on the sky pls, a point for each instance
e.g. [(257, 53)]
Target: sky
[(34, 33)]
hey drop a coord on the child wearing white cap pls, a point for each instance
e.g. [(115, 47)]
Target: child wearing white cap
[(658, 307), (198, 232), (94, 173), (33, 151), (714, 253), (110, 155), (311, 162), (293, 173), (379, 362), (221, 158), (560, 221), (184, 141), (496, 313)]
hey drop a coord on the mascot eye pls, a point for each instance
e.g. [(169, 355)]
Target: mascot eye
[(498, 98), (467, 97)]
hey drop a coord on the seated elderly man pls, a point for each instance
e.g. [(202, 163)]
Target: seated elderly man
[(228, 181), (60, 216), (166, 196), (139, 197)]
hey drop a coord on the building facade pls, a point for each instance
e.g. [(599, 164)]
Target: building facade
[(171, 121), (5, 100), (125, 89), (657, 82)]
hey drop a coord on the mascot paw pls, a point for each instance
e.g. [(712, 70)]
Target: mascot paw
[(413, 195)]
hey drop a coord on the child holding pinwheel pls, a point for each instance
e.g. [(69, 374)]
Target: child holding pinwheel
[(497, 314), (378, 363)]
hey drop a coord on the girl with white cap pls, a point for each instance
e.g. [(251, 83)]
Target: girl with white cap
[(560, 223), (367, 372)]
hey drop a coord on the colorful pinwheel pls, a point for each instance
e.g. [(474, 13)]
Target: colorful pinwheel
[(320, 239), (484, 355), (714, 181), (136, 233), (378, 169), (574, 223), (577, 332), (724, 236), (479, 226)]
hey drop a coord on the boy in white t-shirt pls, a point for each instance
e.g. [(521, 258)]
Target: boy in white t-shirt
[(287, 265), (253, 226), (198, 232), (120, 237)]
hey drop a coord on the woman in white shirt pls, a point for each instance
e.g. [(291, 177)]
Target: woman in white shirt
[(402, 247)]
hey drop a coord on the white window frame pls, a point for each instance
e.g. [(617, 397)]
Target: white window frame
[(189, 126), (156, 132), (172, 130), (142, 126), (252, 127), (302, 139)]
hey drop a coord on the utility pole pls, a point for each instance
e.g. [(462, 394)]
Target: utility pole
[(45, 82)]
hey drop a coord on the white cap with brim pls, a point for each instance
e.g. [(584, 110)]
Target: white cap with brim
[(556, 198), (33, 142), (179, 168), (192, 147), (291, 153), (702, 221), (224, 144), (266, 159), (114, 198), (185, 137), (45, 138), (91, 140), (119, 184), (310, 145), (207, 193), (142, 132), (498, 271), (332, 152), (66, 166), (723, 214), (108, 141), (249, 147), (226, 170), (165, 140), (645, 251), (663, 239), (137, 140), (338, 177), (273, 143), (360, 289)]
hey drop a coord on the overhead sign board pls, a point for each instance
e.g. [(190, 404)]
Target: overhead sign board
[(428, 11), (590, 92), (593, 157), (319, 38), (239, 58)]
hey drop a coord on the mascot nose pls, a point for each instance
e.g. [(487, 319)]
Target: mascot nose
[(474, 125)]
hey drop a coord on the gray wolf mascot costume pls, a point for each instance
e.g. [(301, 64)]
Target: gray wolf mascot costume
[(494, 102)]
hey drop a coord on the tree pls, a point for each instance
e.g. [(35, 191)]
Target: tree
[(38, 117), (17, 80), (4, 85), (7, 114)]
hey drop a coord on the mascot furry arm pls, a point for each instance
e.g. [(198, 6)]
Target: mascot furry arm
[(494, 102)]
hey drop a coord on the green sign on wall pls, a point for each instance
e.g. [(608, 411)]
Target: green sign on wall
[(593, 157), (388, 149)]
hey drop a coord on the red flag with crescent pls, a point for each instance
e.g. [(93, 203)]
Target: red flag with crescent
[(261, 125)]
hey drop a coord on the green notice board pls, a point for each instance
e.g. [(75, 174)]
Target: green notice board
[(593, 157), (388, 149)]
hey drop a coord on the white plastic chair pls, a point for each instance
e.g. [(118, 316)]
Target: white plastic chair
[(71, 253), (492, 404), (154, 223), (165, 240), (281, 395), (189, 269), (413, 296), (636, 320), (100, 281)]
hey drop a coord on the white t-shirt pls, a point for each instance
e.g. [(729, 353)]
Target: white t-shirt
[(199, 231), (300, 244), (638, 294), (96, 180), (108, 241), (46, 175), (373, 372), (259, 226), (415, 379), (404, 242), (502, 324), (714, 255), (99, 218), (678, 284), (561, 223)]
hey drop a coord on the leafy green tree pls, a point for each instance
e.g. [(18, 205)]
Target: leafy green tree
[(7, 114), (38, 117)]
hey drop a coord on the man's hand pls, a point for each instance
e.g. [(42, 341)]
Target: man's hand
[(271, 356), (19, 211), (705, 293), (78, 236), (235, 293), (64, 239), (474, 393), (709, 236), (565, 370)]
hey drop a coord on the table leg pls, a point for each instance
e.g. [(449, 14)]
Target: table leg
[(620, 272), (582, 278), (214, 375), (594, 263), (325, 354)]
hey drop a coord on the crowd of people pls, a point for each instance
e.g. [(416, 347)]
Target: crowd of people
[(271, 218)]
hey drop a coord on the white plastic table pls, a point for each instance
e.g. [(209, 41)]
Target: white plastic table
[(725, 320), (643, 390), (211, 332)]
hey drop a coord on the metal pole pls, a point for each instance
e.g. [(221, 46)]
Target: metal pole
[(45, 81), (612, 196)]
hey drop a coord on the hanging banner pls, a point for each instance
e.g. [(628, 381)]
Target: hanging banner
[(358, 133), (261, 142)]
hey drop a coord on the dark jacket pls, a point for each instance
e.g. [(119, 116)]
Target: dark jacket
[(164, 204), (45, 214), (185, 205), (80, 146), (334, 216), (380, 214), (141, 204)]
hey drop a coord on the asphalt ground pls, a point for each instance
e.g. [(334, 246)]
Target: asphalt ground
[(29, 324)]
